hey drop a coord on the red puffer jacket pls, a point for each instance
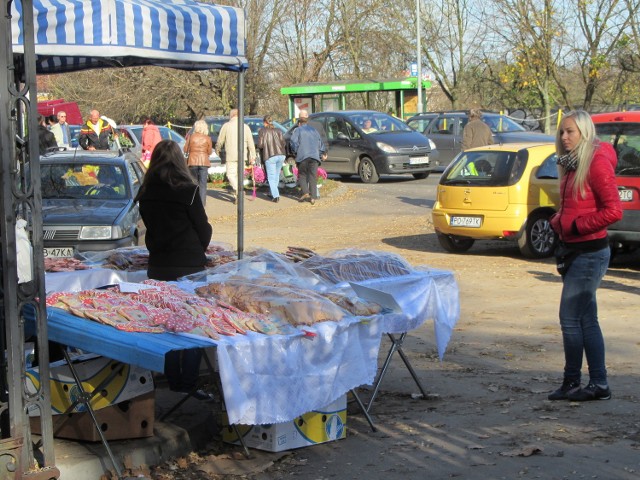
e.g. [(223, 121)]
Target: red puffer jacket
[(598, 209)]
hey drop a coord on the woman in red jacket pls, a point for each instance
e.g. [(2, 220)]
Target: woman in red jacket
[(589, 203)]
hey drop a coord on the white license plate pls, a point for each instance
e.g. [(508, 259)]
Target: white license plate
[(419, 160), (471, 222), (58, 252), (625, 195)]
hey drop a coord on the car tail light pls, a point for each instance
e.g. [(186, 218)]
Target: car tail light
[(509, 233)]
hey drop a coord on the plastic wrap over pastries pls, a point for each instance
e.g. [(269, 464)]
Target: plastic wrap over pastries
[(357, 265), (289, 301)]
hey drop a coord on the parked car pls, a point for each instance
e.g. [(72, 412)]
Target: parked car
[(87, 201), (445, 130), (622, 129), (392, 149), (504, 191), (131, 137)]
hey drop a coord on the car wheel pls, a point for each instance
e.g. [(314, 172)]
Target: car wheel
[(539, 239), (367, 171), (420, 176), (454, 243)]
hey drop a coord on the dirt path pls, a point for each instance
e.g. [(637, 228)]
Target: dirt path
[(487, 416)]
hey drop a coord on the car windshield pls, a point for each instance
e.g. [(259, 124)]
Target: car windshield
[(380, 122), (93, 180), (500, 123), (625, 138), (490, 168)]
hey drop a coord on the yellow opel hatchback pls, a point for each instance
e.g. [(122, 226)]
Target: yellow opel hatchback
[(506, 191)]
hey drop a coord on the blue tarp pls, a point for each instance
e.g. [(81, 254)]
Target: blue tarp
[(77, 34)]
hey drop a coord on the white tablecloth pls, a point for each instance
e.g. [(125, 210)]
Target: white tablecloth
[(272, 379)]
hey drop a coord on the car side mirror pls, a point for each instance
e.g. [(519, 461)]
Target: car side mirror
[(342, 136)]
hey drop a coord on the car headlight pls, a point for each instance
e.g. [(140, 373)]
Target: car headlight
[(432, 145), (386, 148), (100, 232)]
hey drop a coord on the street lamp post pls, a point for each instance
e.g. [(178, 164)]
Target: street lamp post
[(418, 56)]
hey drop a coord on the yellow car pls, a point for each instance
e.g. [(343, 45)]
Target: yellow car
[(506, 191)]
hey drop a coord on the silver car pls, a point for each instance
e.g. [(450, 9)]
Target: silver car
[(131, 137)]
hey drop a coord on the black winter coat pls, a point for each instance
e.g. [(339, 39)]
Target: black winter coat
[(178, 231)]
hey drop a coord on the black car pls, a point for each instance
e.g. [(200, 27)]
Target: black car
[(445, 130), (87, 201), (386, 147)]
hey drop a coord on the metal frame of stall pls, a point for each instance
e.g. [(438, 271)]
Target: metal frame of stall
[(20, 457)]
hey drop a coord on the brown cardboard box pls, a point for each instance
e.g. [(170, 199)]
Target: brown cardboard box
[(129, 419)]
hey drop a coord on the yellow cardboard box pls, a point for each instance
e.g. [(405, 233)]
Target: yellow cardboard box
[(92, 370), (318, 426)]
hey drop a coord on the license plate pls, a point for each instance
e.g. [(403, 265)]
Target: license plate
[(419, 161), (58, 252), (471, 222), (625, 195)]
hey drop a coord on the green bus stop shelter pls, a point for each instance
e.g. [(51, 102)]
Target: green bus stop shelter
[(316, 97)]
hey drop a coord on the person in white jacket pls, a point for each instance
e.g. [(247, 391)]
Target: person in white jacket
[(228, 140)]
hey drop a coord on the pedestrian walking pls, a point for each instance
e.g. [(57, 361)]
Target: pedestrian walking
[(46, 139), (476, 133), (197, 149), (589, 203), (271, 143), (310, 150), (61, 130), (150, 138), (228, 140)]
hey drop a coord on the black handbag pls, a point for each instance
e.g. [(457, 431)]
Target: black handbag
[(565, 255)]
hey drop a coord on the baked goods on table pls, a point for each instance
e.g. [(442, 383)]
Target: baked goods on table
[(356, 266)]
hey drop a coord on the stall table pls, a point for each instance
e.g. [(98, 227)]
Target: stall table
[(274, 379)]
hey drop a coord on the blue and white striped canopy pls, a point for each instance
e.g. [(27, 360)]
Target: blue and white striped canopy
[(78, 34)]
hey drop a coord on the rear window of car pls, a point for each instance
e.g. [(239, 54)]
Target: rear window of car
[(625, 138), (488, 168)]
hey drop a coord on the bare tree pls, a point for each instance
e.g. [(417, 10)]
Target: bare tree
[(530, 29), (602, 24), (454, 31)]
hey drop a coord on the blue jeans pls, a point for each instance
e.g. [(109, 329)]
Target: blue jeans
[(201, 175), (579, 316), (273, 166)]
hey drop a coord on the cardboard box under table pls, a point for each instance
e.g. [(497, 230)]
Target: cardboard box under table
[(125, 420), (318, 426), (121, 395), (114, 381)]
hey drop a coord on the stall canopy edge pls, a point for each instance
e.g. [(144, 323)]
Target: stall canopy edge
[(73, 35)]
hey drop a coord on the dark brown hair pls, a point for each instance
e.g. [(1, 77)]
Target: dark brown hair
[(167, 165)]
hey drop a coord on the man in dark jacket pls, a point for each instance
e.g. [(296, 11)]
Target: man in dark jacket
[(96, 133), (310, 150), (46, 139)]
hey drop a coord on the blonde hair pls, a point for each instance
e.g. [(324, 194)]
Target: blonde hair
[(583, 152), (201, 127)]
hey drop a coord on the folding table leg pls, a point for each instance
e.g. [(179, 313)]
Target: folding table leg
[(396, 346), (364, 410), (86, 399)]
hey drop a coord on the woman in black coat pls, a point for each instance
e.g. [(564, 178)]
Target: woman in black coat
[(178, 233)]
